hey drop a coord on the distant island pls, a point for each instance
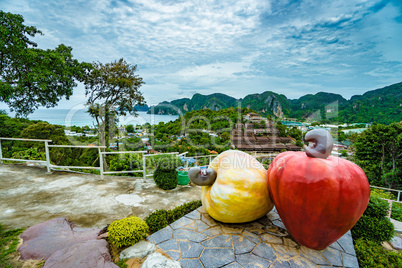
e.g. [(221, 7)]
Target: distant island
[(382, 105)]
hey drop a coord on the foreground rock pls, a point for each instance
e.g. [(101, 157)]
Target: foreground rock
[(396, 243), (62, 245), (139, 250), (157, 260), (43, 239), (89, 254)]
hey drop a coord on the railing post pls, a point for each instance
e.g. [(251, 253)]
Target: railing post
[(399, 193), (47, 156), (100, 162), (1, 154), (144, 167), (210, 159)]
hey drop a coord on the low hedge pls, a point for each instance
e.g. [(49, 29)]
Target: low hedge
[(374, 225), (161, 218), (371, 254)]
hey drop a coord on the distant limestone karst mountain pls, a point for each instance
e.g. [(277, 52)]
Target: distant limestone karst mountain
[(382, 105)]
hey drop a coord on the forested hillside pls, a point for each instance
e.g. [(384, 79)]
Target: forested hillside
[(382, 105)]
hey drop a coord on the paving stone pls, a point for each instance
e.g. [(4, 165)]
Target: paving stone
[(201, 226), (349, 260), (346, 242), (285, 252), (273, 216), (208, 220), (252, 226), (231, 230), (242, 245), (333, 256), (289, 242), (313, 256), (161, 235), (264, 221), (217, 257), (250, 261), (281, 264), (201, 210), (269, 238), (181, 222), (171, 244), (279, 223), (191, 263), (336, 246), (222, 241), (276, 231), (195, 215), (252, 237), (265, 251), (257, 231), (190, 226), (183, 234), (233, 265), (301, 263), (213, 231), (190, 249), (175, 255)]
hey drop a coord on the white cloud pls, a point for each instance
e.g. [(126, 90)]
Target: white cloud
[(234, 47)]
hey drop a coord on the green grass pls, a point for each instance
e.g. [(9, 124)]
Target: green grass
[(8, 245)]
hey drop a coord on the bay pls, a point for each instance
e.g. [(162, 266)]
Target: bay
[(78, 117)]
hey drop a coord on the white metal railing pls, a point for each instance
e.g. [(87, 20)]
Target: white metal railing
[(101, 157), (101, 154), (390, 201), (144, 156), (47, 162), (100, 168)]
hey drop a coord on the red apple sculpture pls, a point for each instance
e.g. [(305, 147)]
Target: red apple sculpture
[(318, 197)]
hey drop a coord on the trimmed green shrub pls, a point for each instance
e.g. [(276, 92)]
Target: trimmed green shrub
[(396, 213), (184, 209), (370, 254), (374, 225), (382, 194), (127, 231), (161, 218), (168, 162), (165, 175), (157, 220), (166, 180)]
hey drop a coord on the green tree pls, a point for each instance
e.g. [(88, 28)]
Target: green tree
[(32, 77), (130, 128), (43, 130), (112, 89), (378, 151)]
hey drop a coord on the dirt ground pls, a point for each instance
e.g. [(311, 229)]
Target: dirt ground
[(29, 195)]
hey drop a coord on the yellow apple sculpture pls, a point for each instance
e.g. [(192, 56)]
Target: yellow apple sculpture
[(235, 187)]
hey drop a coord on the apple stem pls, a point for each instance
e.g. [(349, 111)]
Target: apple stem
[(320, 143)]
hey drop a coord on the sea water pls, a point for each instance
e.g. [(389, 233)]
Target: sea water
[(79, 117)]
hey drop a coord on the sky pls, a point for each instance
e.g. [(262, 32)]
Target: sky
[(183, 47)]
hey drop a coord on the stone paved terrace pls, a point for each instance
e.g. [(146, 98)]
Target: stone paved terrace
[(197, 240)]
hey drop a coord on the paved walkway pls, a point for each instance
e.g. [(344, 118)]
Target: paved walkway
[(29, 195), (197, 240)]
